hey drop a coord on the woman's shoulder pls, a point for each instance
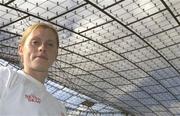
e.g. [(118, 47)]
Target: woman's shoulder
[(4, 71), (8, 76), (2, 68)]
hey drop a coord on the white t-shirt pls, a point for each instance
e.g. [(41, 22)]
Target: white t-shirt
[(22, 95)]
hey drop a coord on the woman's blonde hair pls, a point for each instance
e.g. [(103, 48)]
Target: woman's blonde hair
[(33, 27)]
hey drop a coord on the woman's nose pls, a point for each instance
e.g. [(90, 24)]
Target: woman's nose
[(42, 47)]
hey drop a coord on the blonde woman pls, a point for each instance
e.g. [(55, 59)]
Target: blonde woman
[(22, 93)]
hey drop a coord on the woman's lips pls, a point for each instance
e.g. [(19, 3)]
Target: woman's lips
[(42, 57)]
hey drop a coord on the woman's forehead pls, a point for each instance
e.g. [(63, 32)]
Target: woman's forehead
[(39, 29), (42, 34)]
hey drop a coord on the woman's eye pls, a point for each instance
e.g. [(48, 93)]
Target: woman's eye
[(50, 44), (35, 42)]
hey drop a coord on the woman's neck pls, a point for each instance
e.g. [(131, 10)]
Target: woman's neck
[(38, 75)]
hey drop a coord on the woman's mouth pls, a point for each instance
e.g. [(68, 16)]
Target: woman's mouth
[(42, 57)]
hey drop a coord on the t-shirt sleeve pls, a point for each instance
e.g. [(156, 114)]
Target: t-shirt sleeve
[(63, 109), (4, 78)]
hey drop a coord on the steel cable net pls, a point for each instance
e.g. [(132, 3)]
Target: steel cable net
[(120, 55)]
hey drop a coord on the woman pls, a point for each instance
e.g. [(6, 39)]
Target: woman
[(22, 93)]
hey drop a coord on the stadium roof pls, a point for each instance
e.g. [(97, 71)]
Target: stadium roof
[(114, 55)]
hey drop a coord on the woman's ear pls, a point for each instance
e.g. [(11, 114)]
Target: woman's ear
[(20, 50)]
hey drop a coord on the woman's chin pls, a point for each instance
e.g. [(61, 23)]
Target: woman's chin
[(41, 67)]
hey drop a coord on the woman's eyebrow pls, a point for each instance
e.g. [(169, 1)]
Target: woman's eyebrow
[(51, 40), (35, 37)]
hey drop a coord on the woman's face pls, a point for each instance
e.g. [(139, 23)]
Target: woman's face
[(39, 50)]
